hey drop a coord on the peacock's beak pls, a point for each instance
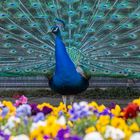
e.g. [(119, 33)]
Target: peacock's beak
[(49, 31)]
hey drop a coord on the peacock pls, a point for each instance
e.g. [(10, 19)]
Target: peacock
[(89, 38), (67, 79)]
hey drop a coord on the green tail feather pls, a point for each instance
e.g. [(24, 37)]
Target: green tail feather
[(103, 36)]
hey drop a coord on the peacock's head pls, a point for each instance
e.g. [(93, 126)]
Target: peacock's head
[(59, 26), (55, 30)]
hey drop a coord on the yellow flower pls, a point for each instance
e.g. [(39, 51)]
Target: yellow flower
[(61, 108), (9, 105), (90, 129), (93, 104), (104, 120), (51, 120), (70, 123), (50, 129), (127, 132), (52, 126), (1, 118), (102, 123), (121, 124), (137, 101), (40, 106), (36, 134), (116, 111), (118, 123), (55, 111), (134, 127), (101, 108), (100, 128), (69, 107)]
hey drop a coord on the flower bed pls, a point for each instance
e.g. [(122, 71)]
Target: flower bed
[(81, 121)]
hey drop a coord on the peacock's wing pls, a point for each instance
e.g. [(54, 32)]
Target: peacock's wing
[(102, 35)]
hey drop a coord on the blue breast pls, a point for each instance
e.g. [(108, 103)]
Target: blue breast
[(66, 79)]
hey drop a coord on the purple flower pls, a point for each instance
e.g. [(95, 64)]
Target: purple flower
[(96, 112), (106, 112), (25, 120), (34, 109), (112, 105), (46, 110), (4, 136), (79, 111), (75, 138), (64, 134), (46, 137), (23, 110), (39, 117), (5, 110), (61, 113)]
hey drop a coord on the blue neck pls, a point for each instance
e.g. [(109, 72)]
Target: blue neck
[(58, 35), (64, 65)]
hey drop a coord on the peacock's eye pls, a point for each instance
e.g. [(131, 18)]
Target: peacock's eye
[(55, 29)]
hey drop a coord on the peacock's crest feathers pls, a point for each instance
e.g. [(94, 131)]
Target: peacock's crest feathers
[(60, 21), (101, 35)]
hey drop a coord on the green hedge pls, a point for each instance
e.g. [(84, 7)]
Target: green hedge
[(110, 93)]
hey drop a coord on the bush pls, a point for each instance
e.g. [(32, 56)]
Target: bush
[(110, 93)]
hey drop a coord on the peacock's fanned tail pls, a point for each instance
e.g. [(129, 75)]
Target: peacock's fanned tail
[(103, 36)]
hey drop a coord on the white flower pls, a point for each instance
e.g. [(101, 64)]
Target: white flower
[(114, 133), (7, 131), (135, 136), (12, 121), (76, 106), (21, 137), (83, 103), (1, 105), (61, 120), (93, 136), (36, 125)]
